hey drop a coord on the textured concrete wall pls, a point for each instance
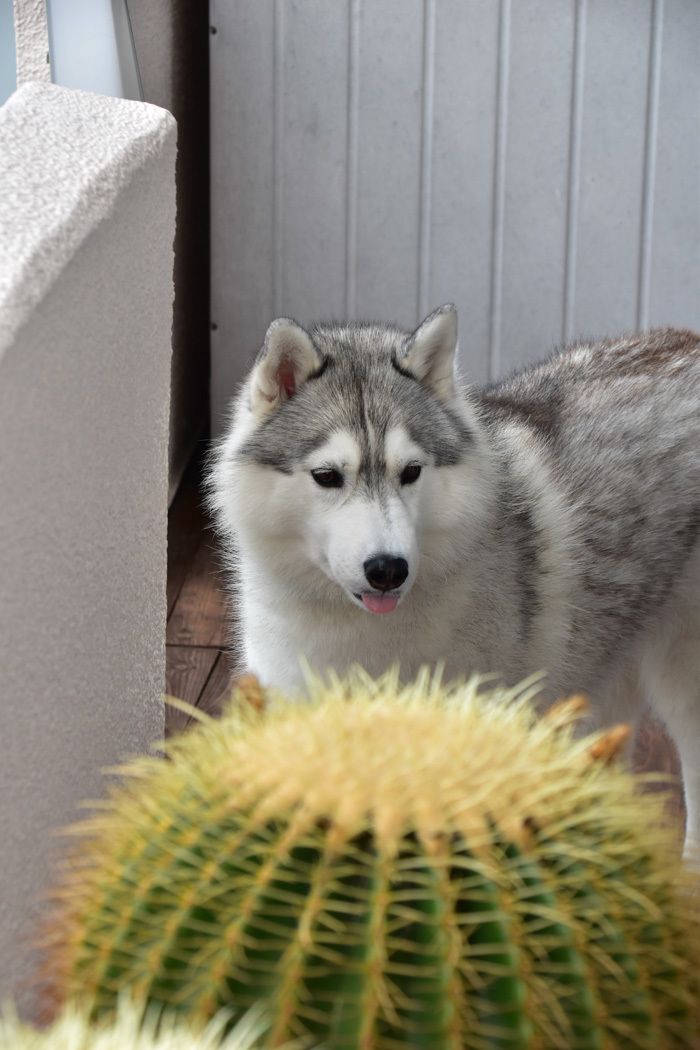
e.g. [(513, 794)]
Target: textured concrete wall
[(86, 229), (31, 41), (172, 42)]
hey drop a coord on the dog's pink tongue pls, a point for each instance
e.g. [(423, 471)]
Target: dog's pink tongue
[(380, 603)]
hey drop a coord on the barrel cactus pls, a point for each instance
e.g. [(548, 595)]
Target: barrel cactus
[(388, 867)]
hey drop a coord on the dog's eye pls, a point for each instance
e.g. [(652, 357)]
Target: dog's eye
[(328, 478), (410, 473)]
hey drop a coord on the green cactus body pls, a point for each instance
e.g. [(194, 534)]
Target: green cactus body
[(386, 868)]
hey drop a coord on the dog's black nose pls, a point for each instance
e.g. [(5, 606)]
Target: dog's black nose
[(385, 572)]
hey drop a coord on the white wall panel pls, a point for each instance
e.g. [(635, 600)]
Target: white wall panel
[(535, 161), (674, 274), (536, 174), (464, 150), (390, 94), (311, 73), (613, 136), (243, 190)]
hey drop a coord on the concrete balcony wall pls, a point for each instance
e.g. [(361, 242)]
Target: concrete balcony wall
[(87, 218)]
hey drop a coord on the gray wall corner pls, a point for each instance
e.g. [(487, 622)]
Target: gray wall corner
[(87, 224)]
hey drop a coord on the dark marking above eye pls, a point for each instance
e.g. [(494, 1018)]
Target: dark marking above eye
[(327, 478), (410, 473)]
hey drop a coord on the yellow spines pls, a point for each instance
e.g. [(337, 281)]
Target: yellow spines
[(128, 1029)]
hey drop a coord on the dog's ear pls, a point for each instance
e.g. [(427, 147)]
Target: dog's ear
[(286, 361), (429, 354)]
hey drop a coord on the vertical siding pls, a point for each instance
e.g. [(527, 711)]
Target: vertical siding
[(500, 120), (573, 190), (613, 135), (536, 179), (464, 150), (674, 278), (243, 189), (311, 129), (650, 153), (427, 138), (389, 174), (537, 162), (353, 157)]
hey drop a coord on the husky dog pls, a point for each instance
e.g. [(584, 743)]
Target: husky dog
[(377, 511)]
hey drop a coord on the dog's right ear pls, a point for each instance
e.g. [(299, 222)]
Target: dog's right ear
[(286, 361), (429, 354)]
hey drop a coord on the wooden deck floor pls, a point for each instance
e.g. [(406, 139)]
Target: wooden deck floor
[(199, 631), (198, 668)]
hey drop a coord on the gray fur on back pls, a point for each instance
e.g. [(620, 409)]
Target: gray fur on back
[(619, 422)]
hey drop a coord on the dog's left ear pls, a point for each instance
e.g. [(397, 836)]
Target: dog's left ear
[(285, 362), (429, 354)]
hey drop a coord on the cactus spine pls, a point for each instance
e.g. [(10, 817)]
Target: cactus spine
[(129, 1030), (385, 868)]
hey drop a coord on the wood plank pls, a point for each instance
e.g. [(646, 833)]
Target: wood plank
[(186, 523), (188, 669), (199, 616), (655, 752), (203, 677), (218, 687)]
